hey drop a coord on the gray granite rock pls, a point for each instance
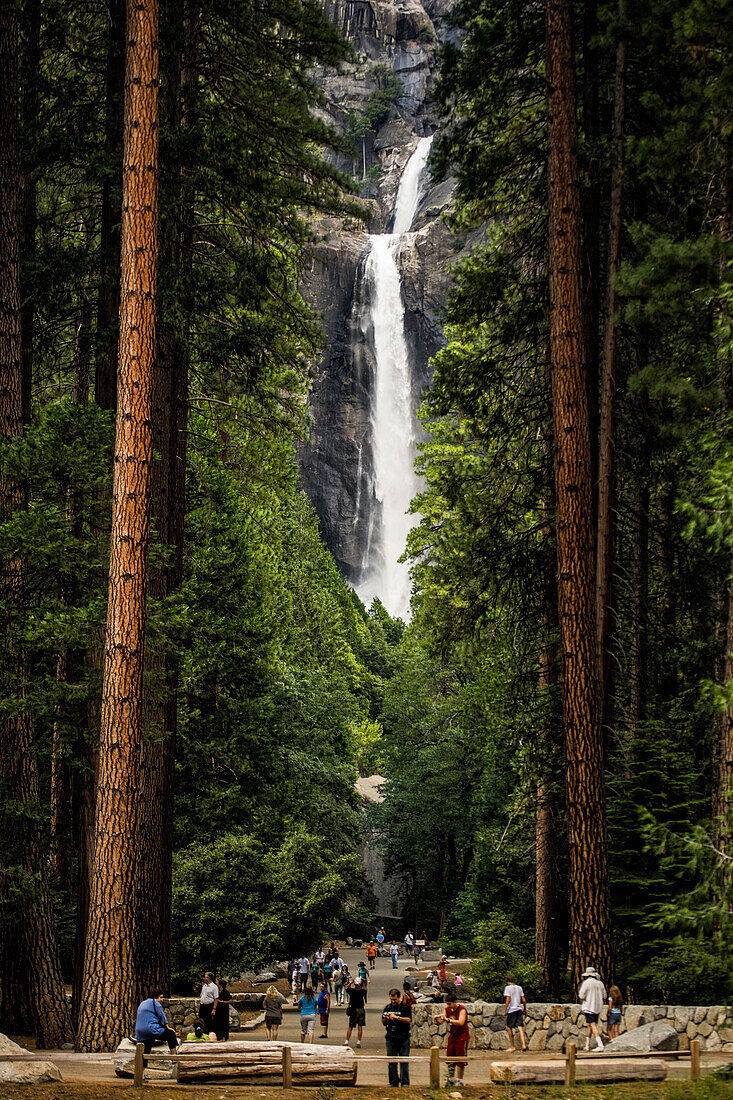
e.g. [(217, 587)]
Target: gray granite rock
[(659, 1035), (24, 1073)]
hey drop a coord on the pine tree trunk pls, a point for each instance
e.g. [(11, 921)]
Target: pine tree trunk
[(590, 940), (109, 986), (547, 943), (605, 542), (31, 64), (31, 983), (591, 212), (108, 303)]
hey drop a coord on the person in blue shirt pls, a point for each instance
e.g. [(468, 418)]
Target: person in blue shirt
[(151, 1025)]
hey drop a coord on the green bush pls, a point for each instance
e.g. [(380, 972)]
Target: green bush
[(688, 973), (504, 948)]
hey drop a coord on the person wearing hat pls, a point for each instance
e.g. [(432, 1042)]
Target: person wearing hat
[(356, 1012), (592, 996)]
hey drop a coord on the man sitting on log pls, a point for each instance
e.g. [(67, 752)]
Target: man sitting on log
[(151, 1025)]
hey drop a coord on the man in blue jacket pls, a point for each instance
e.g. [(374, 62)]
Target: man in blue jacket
[(151, 1025)]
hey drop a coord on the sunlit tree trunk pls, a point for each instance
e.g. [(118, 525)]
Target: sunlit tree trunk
[(109, 987), (590, 941), (605, 541)]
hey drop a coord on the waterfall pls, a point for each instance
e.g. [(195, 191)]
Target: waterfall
[(392, 419)]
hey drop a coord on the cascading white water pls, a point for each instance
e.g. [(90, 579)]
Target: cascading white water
[(393, 425)]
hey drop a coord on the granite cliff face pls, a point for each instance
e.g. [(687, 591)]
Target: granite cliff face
[(336, 463)]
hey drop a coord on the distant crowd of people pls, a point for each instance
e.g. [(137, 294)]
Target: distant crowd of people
[(318, 982)]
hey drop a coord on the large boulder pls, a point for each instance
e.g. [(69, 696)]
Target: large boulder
[(24, 1073), (265, 976), (162, 1069), (658, 1035)]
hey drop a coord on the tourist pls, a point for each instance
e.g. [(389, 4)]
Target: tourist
[(307, 1005), (199, 1034), (151, 1025), (380, 941), (303, 965), (456, 1015), (208, 1000), (425, 941), (615, 1008), (592, 994), (433, 980), (409, 943), (408, 997), (324, 1008), (356, 1012), (416, 953), (327, 971), (315, 973), (345, 979), (295, 986), (442, 971), (273, 1006), (458, 981), (220, 1018), (397, 1019), (365, 979), (394, 952), (515, 1005), (372, 954)]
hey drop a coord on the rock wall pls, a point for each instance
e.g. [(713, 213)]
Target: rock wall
[(549, 1026), (335, 463)]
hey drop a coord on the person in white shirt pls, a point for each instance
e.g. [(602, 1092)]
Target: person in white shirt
[(209, 999), (409, 943), (592, 996), (514, 1006)]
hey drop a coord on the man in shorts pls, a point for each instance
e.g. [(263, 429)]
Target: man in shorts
[(514, 1006), (456, 1047), (592, 995), (356, 1011), (372, 954)]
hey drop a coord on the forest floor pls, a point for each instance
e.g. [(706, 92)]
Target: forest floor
[(705, 1089)]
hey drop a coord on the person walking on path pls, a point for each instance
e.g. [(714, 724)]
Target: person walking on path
[(220, 1018), (515, 1005), (397, 1019), (409, 943), (273, 1006), (372, 954), (363, 974), (151, 1025), (416, 953), (356, 1012), (303, 966), (307, 1005), (394, 952), (592, 995), (455, 1014), (380, 941), (343, 983), (324, 1008), (208, 1000), (615, 1008)]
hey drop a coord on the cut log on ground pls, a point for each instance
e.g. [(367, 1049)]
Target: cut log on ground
[(629, 1069), (262, 1062)]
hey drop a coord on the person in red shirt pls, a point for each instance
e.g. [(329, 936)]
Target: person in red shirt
[(442, 972), (455, 1014)]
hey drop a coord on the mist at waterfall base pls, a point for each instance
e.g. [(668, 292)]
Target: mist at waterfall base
[(393, 426)]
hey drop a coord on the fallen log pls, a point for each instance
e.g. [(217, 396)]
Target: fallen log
[(630, 1069), (264, 1062)]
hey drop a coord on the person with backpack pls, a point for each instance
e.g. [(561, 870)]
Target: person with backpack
[(356, 1012)]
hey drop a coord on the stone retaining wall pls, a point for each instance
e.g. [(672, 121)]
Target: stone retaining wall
[(182, 1011), (549, 1026)]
